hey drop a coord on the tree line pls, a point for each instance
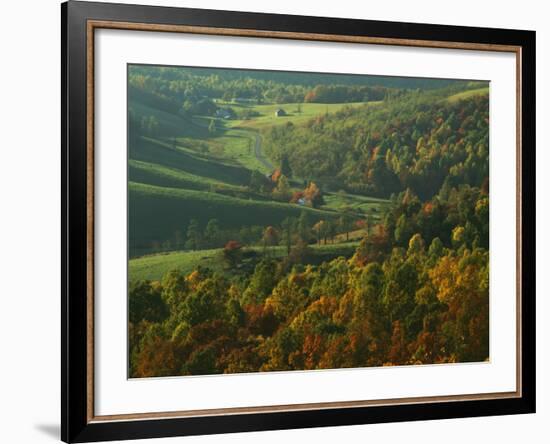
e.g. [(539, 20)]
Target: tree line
[(193, 93), (291, 231)]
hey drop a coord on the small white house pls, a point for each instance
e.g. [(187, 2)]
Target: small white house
[(224, 113)]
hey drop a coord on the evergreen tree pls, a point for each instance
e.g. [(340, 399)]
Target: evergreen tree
[(193, 235), (285, 166), (212, 232)]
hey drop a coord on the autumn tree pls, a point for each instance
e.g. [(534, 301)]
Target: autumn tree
[(146, 303), (175, 288), (204, 303), (416, 245), (313, 195), (232, 253), (157, 358), (276, 175), (398, 353), (319, 229), (282, 190), (462, 284), (261, 282), (270, 237), (400, 288)]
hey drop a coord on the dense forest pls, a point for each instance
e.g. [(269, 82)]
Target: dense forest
[(280, 222), (406, 296), (415, 142)]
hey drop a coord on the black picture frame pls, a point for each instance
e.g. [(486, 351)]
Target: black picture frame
[(76, 425)]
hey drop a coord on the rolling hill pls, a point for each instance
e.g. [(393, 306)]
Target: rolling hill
[(156, 213)]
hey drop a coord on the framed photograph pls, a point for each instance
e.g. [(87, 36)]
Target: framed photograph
[(276, 221)]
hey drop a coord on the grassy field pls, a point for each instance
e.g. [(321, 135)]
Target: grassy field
[(466, 94), (295, 115), (352, 236), (162, 176), (155, 266), (238, 146), (371, 206), (163, 153)]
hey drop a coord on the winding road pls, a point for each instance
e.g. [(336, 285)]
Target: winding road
[(257, 145), (258, 153)]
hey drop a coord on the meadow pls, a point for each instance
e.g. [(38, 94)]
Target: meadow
[(154, 267)]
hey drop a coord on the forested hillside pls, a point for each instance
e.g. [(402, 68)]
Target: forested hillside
[(416, 142), (406, 296), (294, 221)]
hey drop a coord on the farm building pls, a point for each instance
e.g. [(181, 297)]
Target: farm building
[(280, 112), (225, 113)]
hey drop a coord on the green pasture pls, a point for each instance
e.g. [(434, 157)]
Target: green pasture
[(165, 154), (297, 113), (162, 176), (341, 201), (155, 266), (237, 145)]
